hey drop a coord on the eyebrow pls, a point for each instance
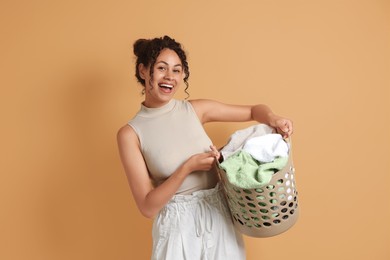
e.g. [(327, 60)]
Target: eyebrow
[(168, 64)]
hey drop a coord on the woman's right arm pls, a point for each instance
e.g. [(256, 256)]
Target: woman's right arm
[(151, 200)]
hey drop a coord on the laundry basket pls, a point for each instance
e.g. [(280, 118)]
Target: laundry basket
[(265, 211)]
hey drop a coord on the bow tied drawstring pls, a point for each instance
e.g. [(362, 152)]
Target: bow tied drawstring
[(203, 218), (204, 225)]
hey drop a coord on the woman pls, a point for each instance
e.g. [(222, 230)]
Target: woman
[(170, 161)]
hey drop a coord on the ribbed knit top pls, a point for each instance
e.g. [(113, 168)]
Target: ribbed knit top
[(169, 135)]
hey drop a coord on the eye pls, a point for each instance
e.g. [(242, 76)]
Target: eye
[(177, 70), (161, 68)]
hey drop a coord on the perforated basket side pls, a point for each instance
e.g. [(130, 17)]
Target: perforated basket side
[(266, 211)]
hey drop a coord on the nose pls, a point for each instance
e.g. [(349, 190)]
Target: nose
[(168, 75)]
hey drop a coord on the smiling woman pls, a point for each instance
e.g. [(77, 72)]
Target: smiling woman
[(152, 53), (161, 85), (170, 161), (168, 70)]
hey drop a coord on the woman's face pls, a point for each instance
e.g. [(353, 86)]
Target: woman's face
[(167, 76)]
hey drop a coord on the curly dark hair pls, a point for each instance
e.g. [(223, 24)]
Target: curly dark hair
[(147, 51)]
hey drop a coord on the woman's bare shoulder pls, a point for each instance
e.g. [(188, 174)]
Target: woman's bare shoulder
[(127, 134)]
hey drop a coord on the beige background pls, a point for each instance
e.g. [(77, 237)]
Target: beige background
[(67, 85)]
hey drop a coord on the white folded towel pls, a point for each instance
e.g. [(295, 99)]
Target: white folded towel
[(238, 138), (267, 147)]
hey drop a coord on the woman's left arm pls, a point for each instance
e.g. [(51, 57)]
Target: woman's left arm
[(213, 111)]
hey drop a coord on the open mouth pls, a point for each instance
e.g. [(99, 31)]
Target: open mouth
[(166, 87)]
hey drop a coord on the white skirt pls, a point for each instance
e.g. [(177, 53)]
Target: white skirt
[(196, 227)]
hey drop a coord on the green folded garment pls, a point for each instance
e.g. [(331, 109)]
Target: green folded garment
[(247, 173)]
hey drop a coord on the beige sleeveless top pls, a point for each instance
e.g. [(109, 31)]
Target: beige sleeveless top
[(169, 135)]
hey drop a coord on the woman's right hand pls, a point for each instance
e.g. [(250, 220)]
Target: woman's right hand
[(202, 161)]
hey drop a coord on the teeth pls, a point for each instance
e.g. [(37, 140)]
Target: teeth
[(166, 86)]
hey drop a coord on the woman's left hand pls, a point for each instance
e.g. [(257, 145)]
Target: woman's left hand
[(283, 126)]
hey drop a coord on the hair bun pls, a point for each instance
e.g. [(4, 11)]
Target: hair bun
[(140, 47)]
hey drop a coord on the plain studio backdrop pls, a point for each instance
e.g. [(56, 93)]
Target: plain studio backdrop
[(67, 85)]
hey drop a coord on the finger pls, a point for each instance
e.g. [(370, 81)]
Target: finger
[(206, 155), (208, 162), (213, 148), (287, 126), (215, 151)]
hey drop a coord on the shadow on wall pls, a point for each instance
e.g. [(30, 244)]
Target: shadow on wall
[(86, 210)]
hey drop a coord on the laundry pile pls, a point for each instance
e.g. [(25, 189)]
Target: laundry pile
[(253, 155)]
